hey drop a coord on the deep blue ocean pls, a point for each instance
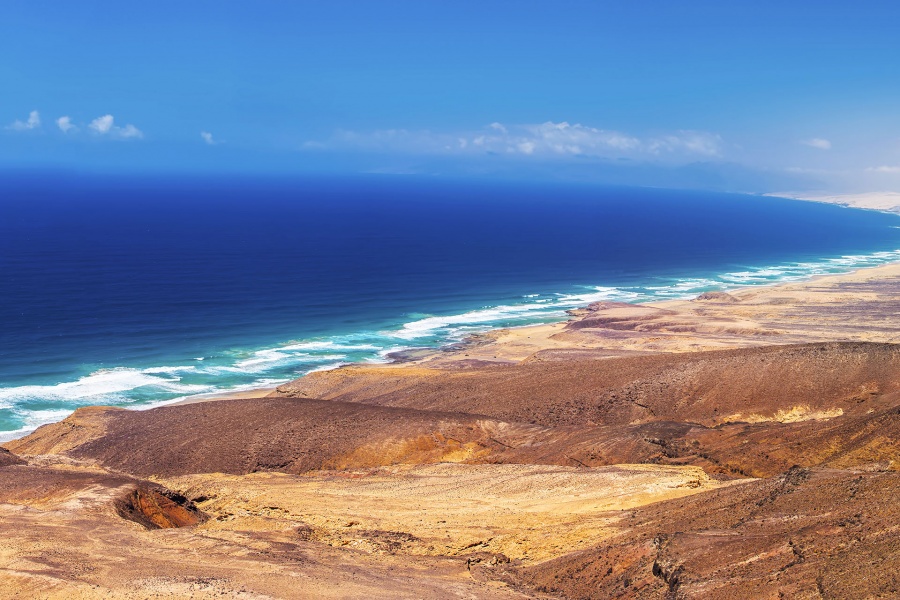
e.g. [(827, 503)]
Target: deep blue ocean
[(136, 291)]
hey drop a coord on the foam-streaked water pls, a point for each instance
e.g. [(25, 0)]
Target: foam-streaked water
[(134, 292)]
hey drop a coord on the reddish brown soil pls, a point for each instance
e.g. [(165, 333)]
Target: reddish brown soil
[(155, 507)]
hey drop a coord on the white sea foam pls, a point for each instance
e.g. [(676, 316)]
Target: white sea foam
[(32, 420), (430, 325), (484, 318), (266, 360), (328, 346), (105, 383), (169, 370)]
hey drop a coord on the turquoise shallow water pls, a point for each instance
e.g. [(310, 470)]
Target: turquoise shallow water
[(135, 292)]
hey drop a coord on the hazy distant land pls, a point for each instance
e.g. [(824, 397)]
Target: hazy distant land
[(883, 201)]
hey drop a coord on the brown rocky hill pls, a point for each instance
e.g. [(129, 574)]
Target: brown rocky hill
[(805, 534), (708, 388), (825, 404), (263, 434)]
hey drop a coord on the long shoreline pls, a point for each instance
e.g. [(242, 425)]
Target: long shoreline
[(488, 346), (516, 343), (885, 202)]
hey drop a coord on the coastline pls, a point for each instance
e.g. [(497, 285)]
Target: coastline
[(526, 458), (520, 342), (742, 316), (886, 202), (783, 313)]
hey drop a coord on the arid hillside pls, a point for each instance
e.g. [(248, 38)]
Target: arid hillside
[(774, 383), (744, 473)]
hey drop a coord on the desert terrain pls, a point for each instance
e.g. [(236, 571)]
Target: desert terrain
[(736, 445)]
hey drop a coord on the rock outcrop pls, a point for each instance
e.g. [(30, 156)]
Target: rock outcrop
[(156, 507)]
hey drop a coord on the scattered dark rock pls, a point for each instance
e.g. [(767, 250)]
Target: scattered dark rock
[(721, 297)]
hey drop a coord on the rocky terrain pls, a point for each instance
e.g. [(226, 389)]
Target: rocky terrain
[(580, 470)]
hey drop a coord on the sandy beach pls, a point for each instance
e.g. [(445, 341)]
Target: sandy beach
[(882, 201), (858, 306)]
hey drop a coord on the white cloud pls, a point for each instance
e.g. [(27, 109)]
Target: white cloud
[(65, 124), (33, 122), (542, 140), (821, 144), (129, 131), (102, 125), (690, 142), (883, 169), (526, 147), (208, 138), (106, 125)]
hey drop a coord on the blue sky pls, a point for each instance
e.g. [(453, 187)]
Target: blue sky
[(758, 96)]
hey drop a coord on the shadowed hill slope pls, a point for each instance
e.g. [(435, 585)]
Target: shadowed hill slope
[(8, 458), (263, 434)]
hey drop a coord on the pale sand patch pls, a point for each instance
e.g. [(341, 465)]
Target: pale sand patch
[(67, 542), (883, 201), (526, 512), (254, 393), (794, 415)]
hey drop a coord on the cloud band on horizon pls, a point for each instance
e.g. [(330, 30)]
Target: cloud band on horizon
[(547, 140)]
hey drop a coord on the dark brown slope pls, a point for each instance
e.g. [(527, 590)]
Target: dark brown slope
[(8, 458), (709, 388), (270, 434), (736, 450), (296, 435), (805, 534)]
